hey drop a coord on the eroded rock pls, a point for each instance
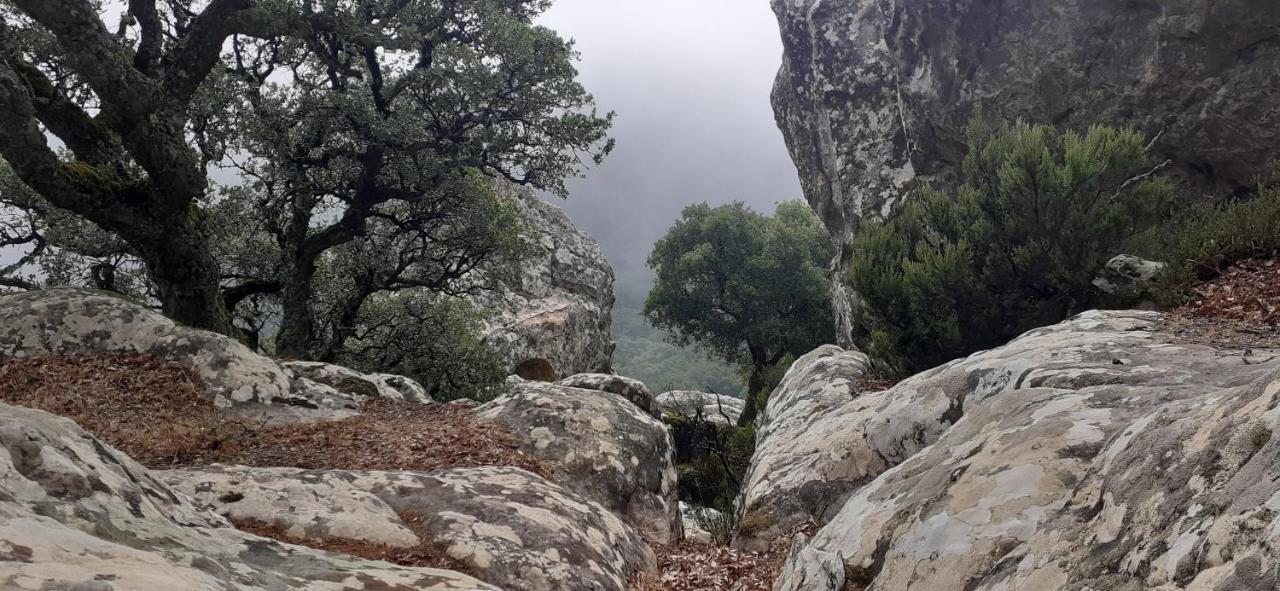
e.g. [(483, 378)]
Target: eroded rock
[(631, 389), (808, 455), (1126, 271), (510, 527), (77, 514), (556, 302), (1091, 454), (74, 321), (715, 408), (352, 382), (600, 446)]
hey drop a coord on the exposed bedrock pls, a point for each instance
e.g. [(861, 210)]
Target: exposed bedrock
[(1098, 453)]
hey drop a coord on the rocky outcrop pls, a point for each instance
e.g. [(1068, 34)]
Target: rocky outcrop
[(350, 381), (1096, 453), (715, 408), (1125, 272), (555, 303), (509, 527), (77, 514), (810, 454), (698, 521), (75, 321), (873, 96), (631, 389), (600, 446)]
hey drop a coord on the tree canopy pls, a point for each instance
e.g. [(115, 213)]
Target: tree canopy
[(747, 287), (337, 116)]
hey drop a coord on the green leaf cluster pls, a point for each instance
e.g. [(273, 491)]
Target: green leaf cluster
[(745, 287), (1016, 247), (1206, 238)]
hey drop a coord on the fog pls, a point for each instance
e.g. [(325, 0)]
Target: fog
[(690, 81)]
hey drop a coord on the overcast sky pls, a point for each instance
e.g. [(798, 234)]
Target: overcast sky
[(690, 81)]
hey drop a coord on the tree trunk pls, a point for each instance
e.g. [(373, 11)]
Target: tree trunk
[(755, 395), (297, 325), (178, 258)]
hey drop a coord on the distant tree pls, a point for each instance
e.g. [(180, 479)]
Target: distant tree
[(748, 288), (1017, 247)]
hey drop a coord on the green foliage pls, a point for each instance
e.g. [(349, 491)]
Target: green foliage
[(430, 339), (745, 287), (1208, 237), (1016, 247), (643, 354), (768, 382), (711, 459)]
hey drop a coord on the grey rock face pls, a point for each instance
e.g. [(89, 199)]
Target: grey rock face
[(74, 321), (77, 514), (352, 382), (698, 521), (809, 456), (600, 446), (510, 527), (1091, 454), (631, 389), (1124, 271), (873, 96), (556, 303), (715, 408)]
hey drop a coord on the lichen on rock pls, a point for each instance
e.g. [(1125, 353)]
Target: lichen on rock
[(599, 445)]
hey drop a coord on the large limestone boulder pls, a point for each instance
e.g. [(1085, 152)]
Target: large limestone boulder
[(509, 527), (872, 97), (77, 514), (599, 445), (629, 388), (75, 321), (1094, 454), (808, 456), (714, 408), (555, 304)]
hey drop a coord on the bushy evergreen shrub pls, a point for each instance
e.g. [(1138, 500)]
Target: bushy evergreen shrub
[(1202, 241), (1015, 247)]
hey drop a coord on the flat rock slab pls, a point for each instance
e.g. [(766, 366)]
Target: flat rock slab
[(77, 514), (509, 527), (69, 321), (715, 408)]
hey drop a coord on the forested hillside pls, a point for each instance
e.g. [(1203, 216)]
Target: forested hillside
[(643, 353)]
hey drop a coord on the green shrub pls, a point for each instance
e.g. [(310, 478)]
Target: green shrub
[(1016, 247), (429, 338), (1207, 238), (711, 459)]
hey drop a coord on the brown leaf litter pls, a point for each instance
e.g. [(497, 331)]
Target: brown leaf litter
[(155, 411)]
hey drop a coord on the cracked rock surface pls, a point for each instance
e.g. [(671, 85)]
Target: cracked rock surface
[(77, 514), (509, 527), (599, 445), (1093, 454)]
